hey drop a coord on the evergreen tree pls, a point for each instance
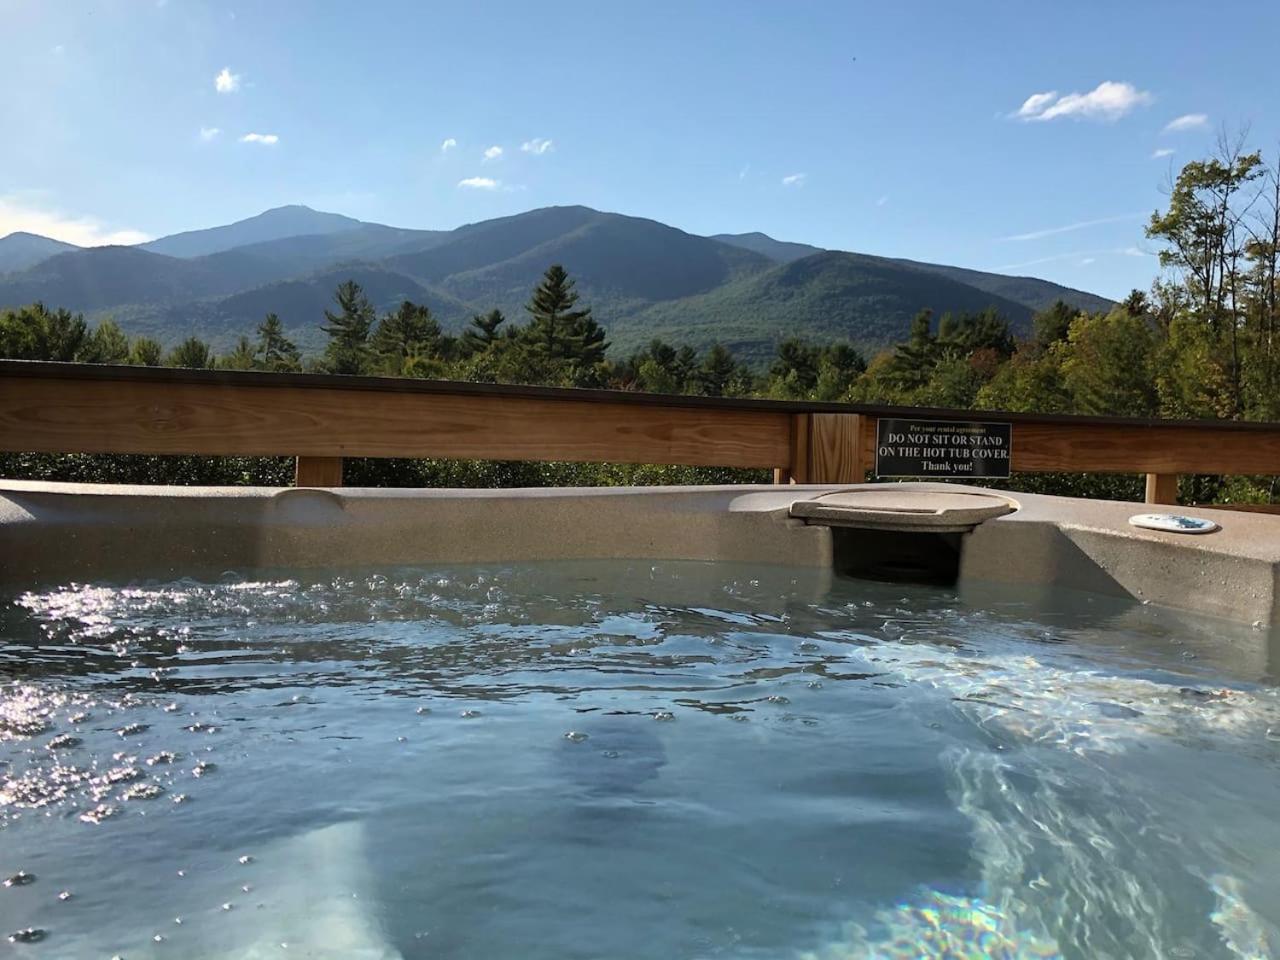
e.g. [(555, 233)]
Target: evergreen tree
[(107, 344), (348, 330), (718, 372), (482, 332), (191, 352), (277, 352), (406, 338), (558, 331), (146, 352), (243, 357)]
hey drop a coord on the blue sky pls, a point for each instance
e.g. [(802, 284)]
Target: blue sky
[(712, 116)]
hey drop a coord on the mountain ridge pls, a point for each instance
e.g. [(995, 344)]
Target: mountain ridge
[(642, 277)]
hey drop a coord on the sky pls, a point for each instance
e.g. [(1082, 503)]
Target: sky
[(1018, 137)]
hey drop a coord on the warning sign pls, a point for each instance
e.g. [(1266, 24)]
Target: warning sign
[(942, 449)]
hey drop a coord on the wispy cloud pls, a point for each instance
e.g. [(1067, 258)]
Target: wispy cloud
[(479, 183), (493, 153), (1083, 256), (882, 201), (18, 212), (448, 145), (1088, 260), (1070, 227), (746, 169), (1162, 152), (226, 81), (1188, 121), (59, 50), (537, 146), (268, 139), (1109, 100), (209, 133), (794, 180)]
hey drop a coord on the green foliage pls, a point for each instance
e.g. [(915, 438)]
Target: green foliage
[(348, 330), (275, 351), (191, 352)]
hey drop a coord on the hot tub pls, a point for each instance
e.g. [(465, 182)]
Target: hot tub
[(626, 723)]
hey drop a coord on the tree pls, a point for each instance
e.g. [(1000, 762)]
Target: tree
[(37, 333), (348, 330), (482, 332), (277, 352), (558, 331), (191, 352), (243, 357), (107, 344), (718, 372), (1052, 324), (146, 353), (406, 339), (1110, 368)]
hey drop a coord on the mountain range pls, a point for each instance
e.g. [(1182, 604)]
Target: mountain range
[(642, 278)]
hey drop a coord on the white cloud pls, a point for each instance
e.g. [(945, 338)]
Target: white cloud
[(794, 180), (1162, 152), (209, 133), (1071, 227), (882, 201), (1188, 121), (19, 214), (448, 145), (59, 50), (742, 174), (270, 139), (226, 81), (537, 146), (479, 183), (1088, 260), (1109, 100), (493, 153)]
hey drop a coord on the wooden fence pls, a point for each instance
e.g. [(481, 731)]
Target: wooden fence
[(319, 419)]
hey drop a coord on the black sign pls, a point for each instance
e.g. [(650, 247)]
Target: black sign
[(937, 449)]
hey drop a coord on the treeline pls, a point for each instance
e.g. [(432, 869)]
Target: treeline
[(1201, 344)]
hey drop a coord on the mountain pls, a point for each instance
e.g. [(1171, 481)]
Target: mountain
[(300, 304), (21, 250), (826, 296), (642, 278), (290, 221), (779, 251)]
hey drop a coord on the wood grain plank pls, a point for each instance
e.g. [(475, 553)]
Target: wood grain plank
[(798, 461), (1162, 488), (68, 416), (835, 449), (318, 472)]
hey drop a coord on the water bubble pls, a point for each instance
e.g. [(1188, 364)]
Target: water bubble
[(20, 879), (158, 938), (202, 767), (226, 906), (99, 813), (469, 714), (246, 859), (170, 708), (65, 895), (422, 711), (29, 935), (63, 741), (132, 729), (777, 698), (247, 887), (164, 756), (663, 716), (575, 736), (178, 921), (179, 798), (142, 791), (814, 684)]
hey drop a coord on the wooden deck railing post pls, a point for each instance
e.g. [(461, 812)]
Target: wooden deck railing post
[(1162, 488), (318, 472), (835, 448)]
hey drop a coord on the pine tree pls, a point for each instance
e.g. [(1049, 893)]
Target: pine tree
[(717, 372), (483, 331), (409, 334), (146, 352), (191, 352), (348, 330), (558, 332), (243, 357), (107, 344), (277, 351)]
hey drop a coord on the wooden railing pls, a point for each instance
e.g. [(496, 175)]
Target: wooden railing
[(319, 419)]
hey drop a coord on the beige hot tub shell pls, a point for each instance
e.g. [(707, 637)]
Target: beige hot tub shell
[(53, 532)]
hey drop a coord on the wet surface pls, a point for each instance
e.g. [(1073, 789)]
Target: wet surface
[(629, 760)]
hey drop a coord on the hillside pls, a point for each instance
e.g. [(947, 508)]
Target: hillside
[(827, 296), (290, 221), (21, 250), (643, 279)]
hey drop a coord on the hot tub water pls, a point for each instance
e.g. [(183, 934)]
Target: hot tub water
[(629, 760)]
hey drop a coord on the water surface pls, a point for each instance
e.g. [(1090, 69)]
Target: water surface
[(629, 760)]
